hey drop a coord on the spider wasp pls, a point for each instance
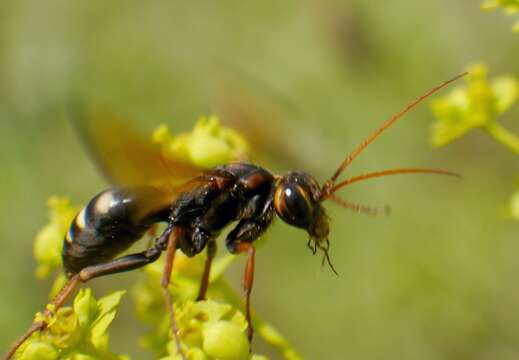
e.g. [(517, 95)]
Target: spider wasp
[(196, 211)]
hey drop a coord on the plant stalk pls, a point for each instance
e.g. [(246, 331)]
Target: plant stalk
[(504, 136)]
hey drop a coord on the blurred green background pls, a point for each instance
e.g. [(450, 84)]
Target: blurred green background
[(435, 280)]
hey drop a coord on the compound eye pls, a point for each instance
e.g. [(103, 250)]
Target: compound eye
[(292, 204)]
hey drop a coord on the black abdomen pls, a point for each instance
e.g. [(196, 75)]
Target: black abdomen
[(110, 223)]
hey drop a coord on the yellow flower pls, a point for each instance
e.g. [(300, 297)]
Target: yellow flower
[(509, 7), (474, 105), (209, 143), (77, 332)]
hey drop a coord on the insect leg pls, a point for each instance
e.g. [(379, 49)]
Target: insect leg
[(126, 263), (248, 280), (211, 251), (36, 326), (57, 302), (240, 240), (174, 236)]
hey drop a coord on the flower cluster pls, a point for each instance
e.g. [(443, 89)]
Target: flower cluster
[(209, 143), (77, 332), (211, 330), (199, 320), (509, 7), (478, 104)]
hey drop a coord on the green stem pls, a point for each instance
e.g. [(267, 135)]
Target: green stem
[(504, 136)]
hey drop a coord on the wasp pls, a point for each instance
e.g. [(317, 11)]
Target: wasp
[(196, 211)]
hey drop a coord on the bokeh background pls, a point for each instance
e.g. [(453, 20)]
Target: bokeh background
[(435, 280)]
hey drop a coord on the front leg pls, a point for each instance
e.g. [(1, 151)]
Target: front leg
[(240, 240), (256, 218), (248, 280), (204, 282)]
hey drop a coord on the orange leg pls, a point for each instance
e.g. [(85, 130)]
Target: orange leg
[(204, 283), (248, 280), (57, 302), (126, 263), (166, 276)]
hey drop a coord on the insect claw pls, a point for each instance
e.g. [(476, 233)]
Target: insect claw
[(326, 256), (312, 246)]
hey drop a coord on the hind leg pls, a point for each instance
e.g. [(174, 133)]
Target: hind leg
[(204, 282), (176, 235), (57, 302), (126, 263)]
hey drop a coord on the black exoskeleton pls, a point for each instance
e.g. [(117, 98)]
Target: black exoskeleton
[(239, 191), (114, 219)]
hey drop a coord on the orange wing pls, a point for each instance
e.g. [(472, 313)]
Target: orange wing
[(123, 156), (128, 160)]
